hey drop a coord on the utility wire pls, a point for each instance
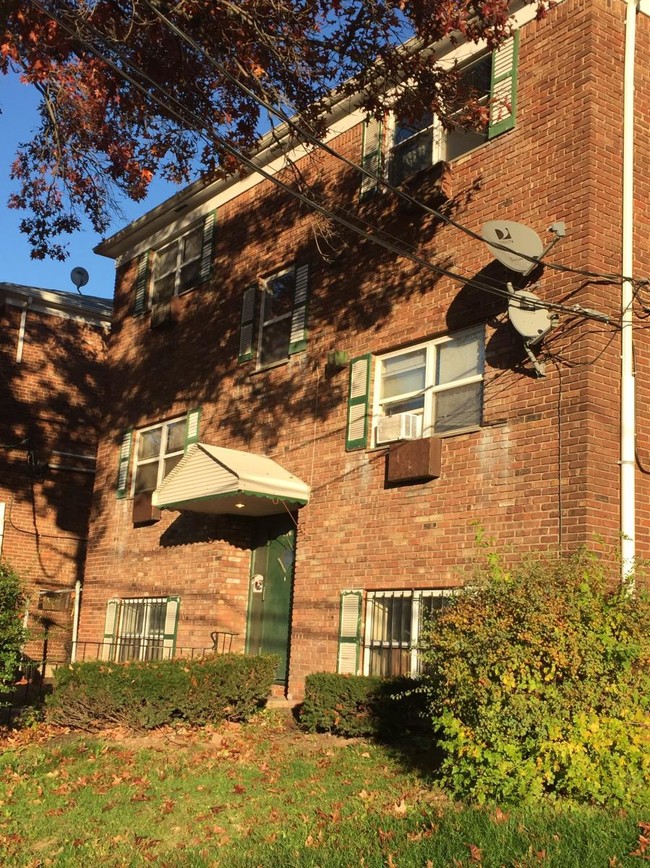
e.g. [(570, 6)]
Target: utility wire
[(307, 135), (189, 119)]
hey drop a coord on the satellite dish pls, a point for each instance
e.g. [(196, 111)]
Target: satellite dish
[(528, 316), (79, 276), (511, 243)]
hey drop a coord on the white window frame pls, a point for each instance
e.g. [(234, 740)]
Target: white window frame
[(431, 389), (411, 646), (162, 455), (439, 136), (180, 263), (263, 322)]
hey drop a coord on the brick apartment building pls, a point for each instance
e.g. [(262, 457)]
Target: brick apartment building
[(52, 347), (308, 426)]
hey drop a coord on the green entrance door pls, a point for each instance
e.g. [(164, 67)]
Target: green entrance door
[(269, 608)]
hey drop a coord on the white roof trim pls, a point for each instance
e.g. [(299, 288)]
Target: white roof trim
[(216, 480)]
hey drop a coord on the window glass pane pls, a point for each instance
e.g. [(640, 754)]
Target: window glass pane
[(411, 405), (275, 341), (163, 289), (411, 156), (405, 129), (458, 408), (165, 260), (157, 612), (146, 477), (190, 273), (149, 443), (176, 436), (478, 76), (170, 463), (459, 358), (403, 374), (278, 295), (191, 244)]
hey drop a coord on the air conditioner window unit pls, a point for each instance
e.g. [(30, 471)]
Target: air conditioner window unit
[(402, 426)]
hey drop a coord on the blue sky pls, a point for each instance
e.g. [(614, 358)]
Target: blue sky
[(18, 104)]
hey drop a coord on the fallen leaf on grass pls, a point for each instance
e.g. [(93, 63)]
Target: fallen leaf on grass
[(167, 806), (475, 853), (384, 836), (54, 812), (400, 808), (140, 797), (238, 789), (500, 816)]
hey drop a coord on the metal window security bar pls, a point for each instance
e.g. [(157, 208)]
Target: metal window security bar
[(140, 631)]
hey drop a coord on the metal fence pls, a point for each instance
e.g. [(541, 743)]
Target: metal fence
[(34, 677)]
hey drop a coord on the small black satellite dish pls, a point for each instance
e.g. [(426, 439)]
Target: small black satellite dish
[(79, 276)]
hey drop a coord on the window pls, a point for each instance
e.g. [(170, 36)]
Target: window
[(142, 628), (415, 143), (274, 317), (177, 266), (440, 383), (54, 601), (158, 451), (418, 144), (386, 641)]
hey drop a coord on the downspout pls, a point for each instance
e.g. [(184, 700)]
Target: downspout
[(628, 460), (75, 620)]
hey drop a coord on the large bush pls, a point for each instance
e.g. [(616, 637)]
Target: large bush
[(357, 705), (539, 683), (12, 634), (145, 695)]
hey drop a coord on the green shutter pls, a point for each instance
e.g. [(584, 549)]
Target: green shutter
[(208, 244), (247, 327), (192, 427), (123, 464), (171, 627), (110, 630), (358, 397), (349, 632), (142, 283), (371, 154), (503, 88), (298, 337)]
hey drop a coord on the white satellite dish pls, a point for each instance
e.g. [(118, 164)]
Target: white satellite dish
[(513, 244), (528, 316), (79, 276)]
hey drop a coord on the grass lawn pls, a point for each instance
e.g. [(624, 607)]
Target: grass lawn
[(265, 794)]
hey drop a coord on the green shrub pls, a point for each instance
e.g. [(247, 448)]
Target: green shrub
[(539, 683), (12, 634), (356, 705), (146, 695)]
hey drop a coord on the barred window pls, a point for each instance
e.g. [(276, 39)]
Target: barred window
[(393, 625), (140, 628)]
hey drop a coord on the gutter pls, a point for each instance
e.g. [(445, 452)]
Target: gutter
[(628, 411)]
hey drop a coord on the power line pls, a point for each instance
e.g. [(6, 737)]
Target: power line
[(308, 136), (187, 118)]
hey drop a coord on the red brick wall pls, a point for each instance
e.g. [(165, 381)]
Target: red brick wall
[(50, 401), (541, 475)]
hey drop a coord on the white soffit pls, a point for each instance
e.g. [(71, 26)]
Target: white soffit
[(220, 481)]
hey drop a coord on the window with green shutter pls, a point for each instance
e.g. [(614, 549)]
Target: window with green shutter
[(421, 142), (273, 323), (157, 450), (175, 267), (140, 628)]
